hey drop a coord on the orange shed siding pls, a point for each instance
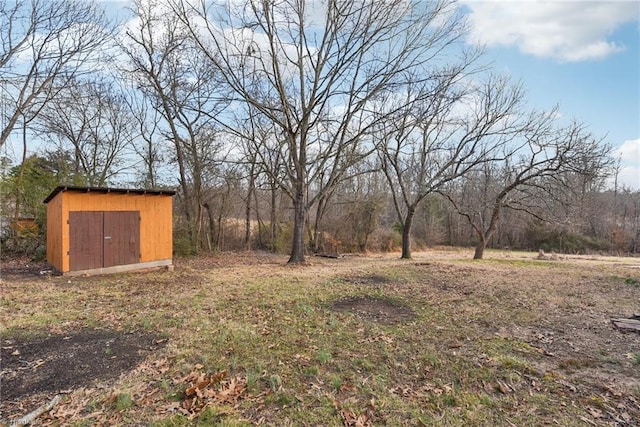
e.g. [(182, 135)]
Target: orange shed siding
[(156, 240), (54, 233)]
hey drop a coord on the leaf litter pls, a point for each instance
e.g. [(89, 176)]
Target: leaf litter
[(547, 338)]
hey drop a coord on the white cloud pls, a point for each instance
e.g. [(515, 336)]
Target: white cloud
[(629, 155), (629, 177), (568, 31), (629, 152)]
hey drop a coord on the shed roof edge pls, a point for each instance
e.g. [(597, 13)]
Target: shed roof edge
[(78, 189)]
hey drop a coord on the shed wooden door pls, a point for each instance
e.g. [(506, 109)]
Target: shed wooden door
[(85, 240), (121, 238), (103, 239)]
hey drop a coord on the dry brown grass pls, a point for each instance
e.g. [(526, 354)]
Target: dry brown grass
[(509, 340)]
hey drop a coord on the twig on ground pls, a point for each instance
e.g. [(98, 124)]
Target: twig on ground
[(28, 419)]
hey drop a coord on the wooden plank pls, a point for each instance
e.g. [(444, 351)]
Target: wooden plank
[(627, 324), (166, 263), (156, 228), (55, 239)]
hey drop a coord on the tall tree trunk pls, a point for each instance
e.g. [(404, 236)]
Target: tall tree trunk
[(273, 217), (482, 244), (151, 177), (485, 236), (18, 189), (247, 224), (186, 192), (300, 208), (212, 224), (247, 219), (406, 234), (220, 237), (315, 236), (259, 220), (6, 131)]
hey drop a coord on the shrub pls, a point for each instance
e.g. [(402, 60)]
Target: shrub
[(559, 240), (384, 240)]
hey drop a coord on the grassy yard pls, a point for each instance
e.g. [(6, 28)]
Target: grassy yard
[(244, 339)]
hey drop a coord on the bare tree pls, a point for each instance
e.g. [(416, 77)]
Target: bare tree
[(445, 134), (325, 203), (317, 71), (253, 162), (92, 121), (148, 145), (354, 211), (530, 173), (44, 44), (185, 91), (261, 156)]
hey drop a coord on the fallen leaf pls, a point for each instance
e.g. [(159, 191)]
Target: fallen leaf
[(502, 387), (233, 390), (595, 413), (347, 387)]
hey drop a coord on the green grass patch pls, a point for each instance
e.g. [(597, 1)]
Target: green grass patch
[(302, 360), (123, 402), (526, 263)]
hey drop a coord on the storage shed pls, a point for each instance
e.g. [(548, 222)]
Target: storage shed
[(104, 230)]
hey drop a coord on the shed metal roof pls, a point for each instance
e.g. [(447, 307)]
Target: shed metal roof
[(105, 190)]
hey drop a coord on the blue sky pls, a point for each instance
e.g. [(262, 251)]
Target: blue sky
[(584, 56)]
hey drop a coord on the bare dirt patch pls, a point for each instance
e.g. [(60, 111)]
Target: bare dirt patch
[(35, 369), (375, 309), (22, 268)]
